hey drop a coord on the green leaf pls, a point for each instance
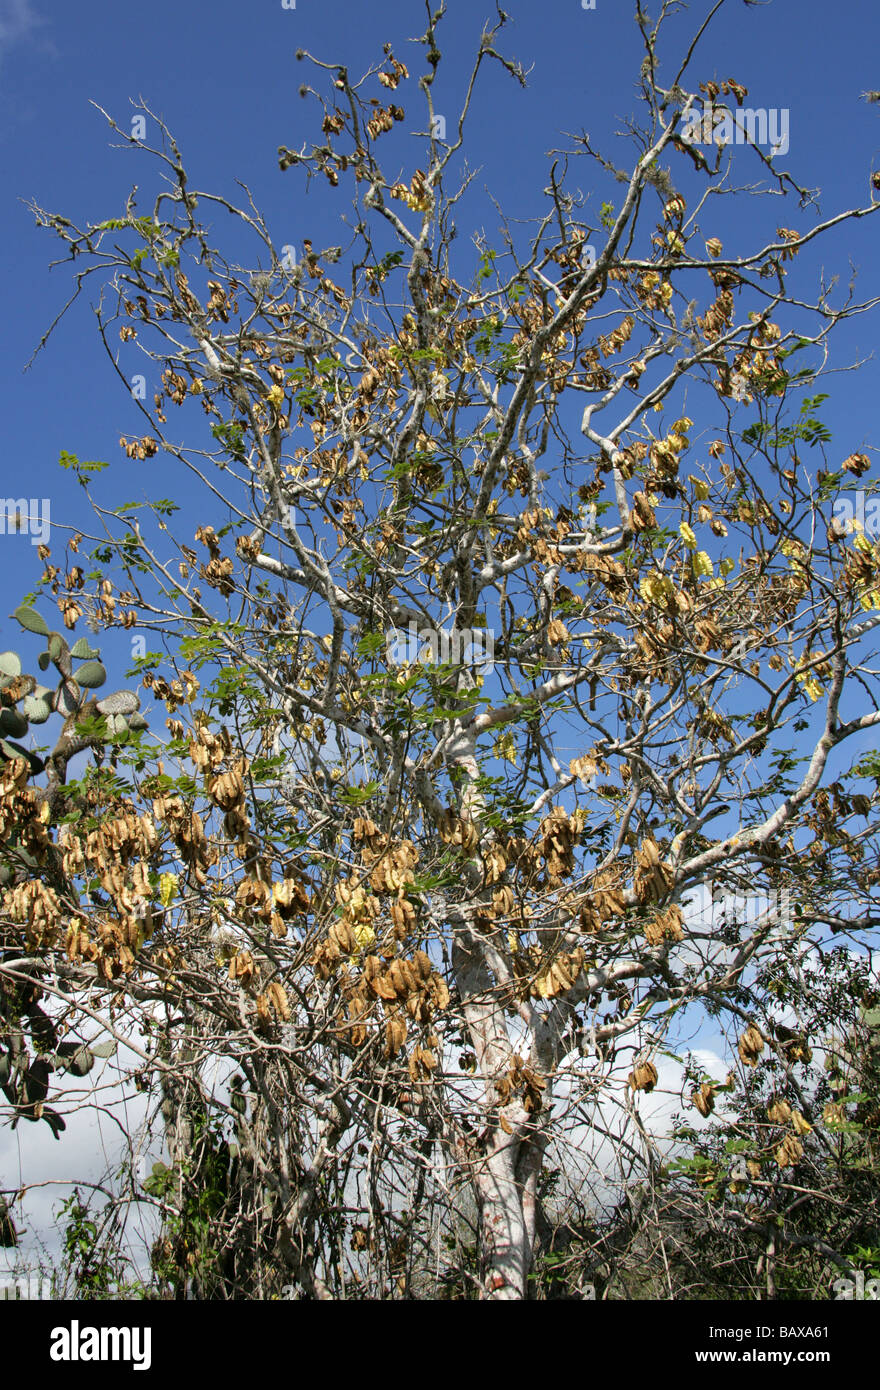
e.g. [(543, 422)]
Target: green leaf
[(371, 644), (91, 675), (31, 619), (37, 708), (159, 1180), (83, 652), (120, 702), (15, 750), (356, 796), (10, 664), (12, 722)]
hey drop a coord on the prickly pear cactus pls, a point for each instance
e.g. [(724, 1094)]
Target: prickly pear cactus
[(30, 1048), (24, 1071), (25, 701)]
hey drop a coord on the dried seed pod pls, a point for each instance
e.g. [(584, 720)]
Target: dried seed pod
[(751, 1045), (395, 1036), (789, 1152), (643, 1077), (778, 1111), (703, 1099), (277, 996), (422, 963)]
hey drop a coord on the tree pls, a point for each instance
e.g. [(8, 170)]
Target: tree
[(782, 1189), (458, 679)]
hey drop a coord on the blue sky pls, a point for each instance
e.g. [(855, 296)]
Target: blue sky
[(225, 79)]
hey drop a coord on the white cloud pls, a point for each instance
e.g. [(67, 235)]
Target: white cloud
[(91, 1149), (18, 19)]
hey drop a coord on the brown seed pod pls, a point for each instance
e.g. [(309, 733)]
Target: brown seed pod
[(395, 1036), (789, 1152), (778, 1111), (422, 963), (703, 1099), (751, 1045), (643, 1077)]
